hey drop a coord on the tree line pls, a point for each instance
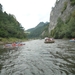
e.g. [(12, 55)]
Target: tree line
[(10, 27)]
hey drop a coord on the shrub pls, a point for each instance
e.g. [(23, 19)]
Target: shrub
[(72, 2), (64, 8)]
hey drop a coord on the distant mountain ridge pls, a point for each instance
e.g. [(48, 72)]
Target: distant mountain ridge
[(37, 31), (41, 24)]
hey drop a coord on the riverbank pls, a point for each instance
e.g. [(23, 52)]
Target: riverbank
[(11, 40)]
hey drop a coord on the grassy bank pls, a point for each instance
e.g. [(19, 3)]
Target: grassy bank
[(11, 40)]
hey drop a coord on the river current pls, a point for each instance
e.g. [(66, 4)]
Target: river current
[(39, 58)]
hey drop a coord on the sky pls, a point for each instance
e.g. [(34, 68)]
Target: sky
[(29, 12)]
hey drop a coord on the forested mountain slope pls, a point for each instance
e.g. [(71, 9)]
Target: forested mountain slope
[(9, 26), (39, 31)]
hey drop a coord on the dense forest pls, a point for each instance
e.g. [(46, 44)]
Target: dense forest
[(65, 29), (10, 27)]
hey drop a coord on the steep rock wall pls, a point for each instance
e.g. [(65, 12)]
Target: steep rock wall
[(56, 12)]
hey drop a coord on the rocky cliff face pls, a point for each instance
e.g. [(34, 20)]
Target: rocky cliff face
[(57, 12)]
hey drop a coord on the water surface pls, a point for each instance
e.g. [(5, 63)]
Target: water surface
[(38, 58)]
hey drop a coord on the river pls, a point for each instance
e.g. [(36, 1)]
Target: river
[(39, 58)]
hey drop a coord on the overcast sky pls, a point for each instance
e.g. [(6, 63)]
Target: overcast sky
[(29, 12)]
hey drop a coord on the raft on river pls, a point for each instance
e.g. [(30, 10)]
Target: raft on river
[(49, 40), (12, 45), (72, 40)]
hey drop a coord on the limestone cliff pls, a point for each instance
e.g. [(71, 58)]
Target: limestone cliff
[(59, 11)]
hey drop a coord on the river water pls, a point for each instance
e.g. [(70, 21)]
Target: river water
[(39, 58)]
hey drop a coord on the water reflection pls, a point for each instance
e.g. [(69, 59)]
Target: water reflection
[(38, 58)]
